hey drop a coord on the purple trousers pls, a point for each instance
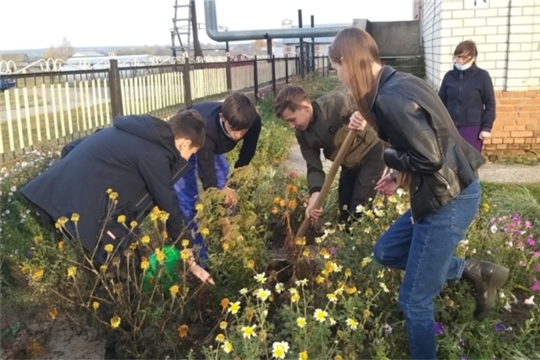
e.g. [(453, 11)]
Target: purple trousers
[(470, 134)]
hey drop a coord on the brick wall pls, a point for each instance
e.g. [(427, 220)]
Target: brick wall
[(508, 42), (517, 127)]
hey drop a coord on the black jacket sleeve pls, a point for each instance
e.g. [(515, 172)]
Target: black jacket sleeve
[(488, 98), (442, 89), (206, 165), (414, 147), (157, 175), (249, 145)]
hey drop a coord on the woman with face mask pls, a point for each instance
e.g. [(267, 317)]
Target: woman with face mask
[(467, 92)]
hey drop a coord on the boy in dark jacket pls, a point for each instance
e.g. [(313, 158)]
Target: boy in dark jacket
[(227, 123), (321, 124), (139, 158)]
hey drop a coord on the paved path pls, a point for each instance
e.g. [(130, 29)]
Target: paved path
[(489, 172)]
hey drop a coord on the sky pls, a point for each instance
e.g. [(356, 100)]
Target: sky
[(32, 24)]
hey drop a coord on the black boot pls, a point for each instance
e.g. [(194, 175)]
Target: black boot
[(484, 277)]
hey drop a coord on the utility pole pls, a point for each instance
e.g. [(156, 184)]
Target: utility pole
[(195, 27)]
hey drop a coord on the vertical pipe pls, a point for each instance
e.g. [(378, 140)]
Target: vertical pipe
[(269, 49), (255, 79), (301, 44), (313, 45), (506, 67), (286, 68), (274, 87)]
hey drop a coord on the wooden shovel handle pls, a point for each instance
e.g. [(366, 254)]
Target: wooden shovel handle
[(328, 180)]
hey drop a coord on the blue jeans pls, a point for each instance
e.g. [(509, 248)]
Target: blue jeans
[(187, 190), (425, 251)]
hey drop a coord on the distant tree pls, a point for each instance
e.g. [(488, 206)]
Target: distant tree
[(64, 51), (259, 45)]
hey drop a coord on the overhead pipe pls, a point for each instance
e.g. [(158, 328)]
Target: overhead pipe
[(240, 35)]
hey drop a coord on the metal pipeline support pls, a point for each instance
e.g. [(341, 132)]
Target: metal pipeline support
[(240, 35)]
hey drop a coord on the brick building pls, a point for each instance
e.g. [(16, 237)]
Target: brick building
[(507, 34)]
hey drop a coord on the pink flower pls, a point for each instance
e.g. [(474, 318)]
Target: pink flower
[(535, 286), (530, 240), (528, 224), (522, 263), (537, 268), (293, 175)]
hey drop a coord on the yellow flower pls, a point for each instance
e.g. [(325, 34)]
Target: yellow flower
[(369, 292), (319, 279), (279, 349), (282, 203), (320, 315), (133, 245), (133, 224), (279, 288), (71, 271), (160, 255), (164, 216), (109, 191), (53, 313), (338, 357), (224, 303), (367, 230), (277, 200), (365, 261), (174, 290), (235, 306), (383, 286), (262, 335), (121, 219), (301, 241), (38, 273), (274, 210), (392, 199), (115, 321), (301, 322), (225, 246), (103, 268), (37, 239), (182, 331), (95, 305), (306, 252), (75, 217), (145, 239), (108, 248), (248, 331), (367, 313), (350, 289), (380, 274), (261, 279), (263, 294), (347, 272), (199, 207), (220, 338), (185, 243), (227, 347), (223, 325), (301, 283), (250, 264), (293, 291), (485, 207), (25, 269), (324, 253), (353, 324), (303, 356), (332, 297), (61, 245), (205, 232), (144, 264), (61, 222), (295, 298), (185, 254)]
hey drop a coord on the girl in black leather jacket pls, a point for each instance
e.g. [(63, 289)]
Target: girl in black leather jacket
[(440, 168)]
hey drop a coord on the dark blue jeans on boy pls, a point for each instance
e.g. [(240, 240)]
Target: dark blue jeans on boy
[(187, 190), (425, 250)]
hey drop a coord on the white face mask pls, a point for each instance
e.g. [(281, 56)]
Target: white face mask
[(462, 67)]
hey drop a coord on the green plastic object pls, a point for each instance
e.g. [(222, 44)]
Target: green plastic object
[(169, 275)]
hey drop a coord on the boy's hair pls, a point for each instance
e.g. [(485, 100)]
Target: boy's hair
[(289, 97), (239, 111), (188, 124)]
